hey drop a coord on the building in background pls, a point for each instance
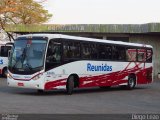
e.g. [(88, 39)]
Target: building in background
[(136, 33)]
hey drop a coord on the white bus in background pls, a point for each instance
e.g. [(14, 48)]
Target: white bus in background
[(4, 50), (55, 61)]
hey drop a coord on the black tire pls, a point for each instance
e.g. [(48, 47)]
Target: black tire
[(70, 85), (40, 91), (105, 87), (131, 82), (4, 72)]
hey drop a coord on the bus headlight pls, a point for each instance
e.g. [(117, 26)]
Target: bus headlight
[(37, 76), (9, 76)]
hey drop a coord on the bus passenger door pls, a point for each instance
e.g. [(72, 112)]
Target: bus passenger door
[(53, 60)]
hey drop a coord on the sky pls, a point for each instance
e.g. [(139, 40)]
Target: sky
[(103, 11)]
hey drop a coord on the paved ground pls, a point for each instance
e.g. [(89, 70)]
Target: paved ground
[(143, 99)]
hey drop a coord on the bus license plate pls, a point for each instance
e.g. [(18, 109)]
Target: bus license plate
[(20, 84)]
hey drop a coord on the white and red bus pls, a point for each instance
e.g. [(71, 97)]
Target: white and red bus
[(4, 50), (55, 61)]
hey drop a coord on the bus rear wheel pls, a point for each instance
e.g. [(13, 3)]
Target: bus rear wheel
[(70, 85), (131, 82), (105, 87)]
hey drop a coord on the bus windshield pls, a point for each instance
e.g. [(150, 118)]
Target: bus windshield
[(27, 56)]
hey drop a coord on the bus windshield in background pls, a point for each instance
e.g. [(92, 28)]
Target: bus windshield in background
[(27, 56)]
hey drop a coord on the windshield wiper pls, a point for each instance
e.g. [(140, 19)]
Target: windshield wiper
[(21, 58)]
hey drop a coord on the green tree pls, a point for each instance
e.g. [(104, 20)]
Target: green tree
[(22, 12)]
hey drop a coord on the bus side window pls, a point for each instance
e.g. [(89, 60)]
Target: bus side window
[(141, 55), (102, 52), (149, 55), (86, 51), (71, 50), (105, 52), (94, 51), (76, 50), (131, 54), (115, 54), (121, 53), (108, 52), (4, 50)]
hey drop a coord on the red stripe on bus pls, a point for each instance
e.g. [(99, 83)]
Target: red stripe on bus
[(53, 84), (111, 79)]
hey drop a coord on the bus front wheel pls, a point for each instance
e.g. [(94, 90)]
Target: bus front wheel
[(4, 72), (70, 85), (105, 87), (40, 91)]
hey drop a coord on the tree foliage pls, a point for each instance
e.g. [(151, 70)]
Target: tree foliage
[(22, 12)]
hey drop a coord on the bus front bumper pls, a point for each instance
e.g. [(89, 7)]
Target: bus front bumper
[(32, 84)]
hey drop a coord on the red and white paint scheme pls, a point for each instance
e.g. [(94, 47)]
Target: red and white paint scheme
[(4, 49), (55, 61)]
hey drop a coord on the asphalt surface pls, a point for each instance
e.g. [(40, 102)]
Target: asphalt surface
[(143, 99)]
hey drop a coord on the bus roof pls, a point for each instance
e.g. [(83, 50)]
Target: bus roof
[(52, 36)]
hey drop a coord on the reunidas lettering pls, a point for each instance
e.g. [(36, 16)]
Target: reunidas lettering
[(103, 67)]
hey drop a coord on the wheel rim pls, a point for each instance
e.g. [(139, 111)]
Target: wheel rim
[(70, 85), (131, 82)]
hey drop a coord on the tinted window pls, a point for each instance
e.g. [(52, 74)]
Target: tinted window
[(118, 53), (131, 54), (105, 52), (71, 50), (86, 50), (141, 55), (121, 53), (94, 51), (53, 57), (149, 56), (4, 50)]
